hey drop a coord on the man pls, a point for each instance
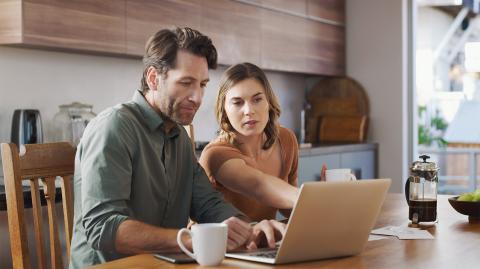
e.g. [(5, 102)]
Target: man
[(136, 178)]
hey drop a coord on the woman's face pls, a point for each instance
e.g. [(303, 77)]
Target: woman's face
[(247, 107)]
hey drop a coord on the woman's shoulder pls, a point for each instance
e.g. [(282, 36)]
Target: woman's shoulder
[(219, 143), (216, 153), (220, 148), (286, 134)]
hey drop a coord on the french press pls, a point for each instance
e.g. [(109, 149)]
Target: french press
[(421, 191)]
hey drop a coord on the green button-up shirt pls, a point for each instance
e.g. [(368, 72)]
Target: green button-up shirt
[(127, 167)]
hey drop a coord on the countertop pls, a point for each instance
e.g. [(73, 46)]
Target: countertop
[(336, 148), (304, 151)]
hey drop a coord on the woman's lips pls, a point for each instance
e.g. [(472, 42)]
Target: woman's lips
[(251, 123)]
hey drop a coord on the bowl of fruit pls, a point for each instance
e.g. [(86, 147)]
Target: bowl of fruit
[(467, 204)]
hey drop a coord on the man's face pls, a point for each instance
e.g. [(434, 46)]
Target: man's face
[(178, 95)]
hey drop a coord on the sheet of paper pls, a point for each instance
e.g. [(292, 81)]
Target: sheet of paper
[(374, 237), (403, 232)]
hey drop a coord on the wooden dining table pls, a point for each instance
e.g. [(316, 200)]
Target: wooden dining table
[(456, 244)]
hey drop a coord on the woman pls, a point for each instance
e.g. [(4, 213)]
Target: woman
[(253, 161)]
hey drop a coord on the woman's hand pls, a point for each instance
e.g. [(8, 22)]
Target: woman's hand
[(323, 172), (266, 233)]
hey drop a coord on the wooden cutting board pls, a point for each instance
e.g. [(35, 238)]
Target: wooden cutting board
[(338, 129), (341, 104)]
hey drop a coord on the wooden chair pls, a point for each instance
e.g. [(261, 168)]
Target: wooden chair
[(34, 163)]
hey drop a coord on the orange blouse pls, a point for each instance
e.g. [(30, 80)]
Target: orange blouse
[(217, 152)]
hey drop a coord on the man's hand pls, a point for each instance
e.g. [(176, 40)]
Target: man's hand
[(239, 232), (267, 233)]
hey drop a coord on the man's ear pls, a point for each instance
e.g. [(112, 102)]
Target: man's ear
[(152, 78)]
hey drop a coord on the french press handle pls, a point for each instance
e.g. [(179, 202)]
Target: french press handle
[(407, 190)]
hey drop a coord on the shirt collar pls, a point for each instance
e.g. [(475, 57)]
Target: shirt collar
[(151, 117)]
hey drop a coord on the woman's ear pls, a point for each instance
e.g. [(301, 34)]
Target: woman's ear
[(152, 78)]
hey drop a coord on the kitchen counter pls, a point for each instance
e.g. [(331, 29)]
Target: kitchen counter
[(314, 150), (336, 148)]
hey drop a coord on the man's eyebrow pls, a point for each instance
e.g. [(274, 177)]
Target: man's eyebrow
[(193, 78)]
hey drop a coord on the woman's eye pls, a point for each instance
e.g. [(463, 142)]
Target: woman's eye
[(257, 100), (185, 83)]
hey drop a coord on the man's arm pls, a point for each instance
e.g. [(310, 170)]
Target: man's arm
[(135, 237)]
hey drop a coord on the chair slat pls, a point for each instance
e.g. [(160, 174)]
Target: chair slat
[(15, 206), (46, 161), (37, 223), (55, 248), (67, 209)]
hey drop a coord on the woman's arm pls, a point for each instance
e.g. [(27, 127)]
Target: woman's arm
[(237, 176)]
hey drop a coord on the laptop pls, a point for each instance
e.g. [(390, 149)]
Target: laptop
[(329, 220)]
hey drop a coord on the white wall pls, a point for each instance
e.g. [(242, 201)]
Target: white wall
[(376, 57), (45, 79)]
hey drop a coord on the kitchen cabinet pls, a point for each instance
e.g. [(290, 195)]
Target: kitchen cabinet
[(86, 25), (361, 158), (332, 10), (234, 30), (283, 35), (145, 17)]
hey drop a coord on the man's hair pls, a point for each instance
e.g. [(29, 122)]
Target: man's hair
[(161, 50), (230, 78)]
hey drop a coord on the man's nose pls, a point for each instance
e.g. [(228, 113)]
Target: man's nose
[(197, 95)]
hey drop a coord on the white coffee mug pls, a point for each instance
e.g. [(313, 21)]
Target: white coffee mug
[(209, 242), (339, 175)]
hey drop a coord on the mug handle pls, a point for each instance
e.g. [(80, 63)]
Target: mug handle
[(352, 177), (180, 243)]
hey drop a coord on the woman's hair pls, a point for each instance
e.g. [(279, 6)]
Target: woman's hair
[(230, 78)]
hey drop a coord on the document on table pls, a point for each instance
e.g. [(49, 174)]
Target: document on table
[(403, 232)]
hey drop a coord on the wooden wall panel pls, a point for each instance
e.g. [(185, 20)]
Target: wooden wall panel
[(283, 43), (145, 17), (90, 25), (11, 21), (235, 30), (277, 35), (324, 48), (333, 10), (295, 6)]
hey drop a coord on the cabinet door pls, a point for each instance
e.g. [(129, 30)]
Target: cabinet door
[(91, 25), (234, 29), (324, 48), (283, 42), (10, 23), (145, 17), (361, 162), (309, 167), (333, 10)]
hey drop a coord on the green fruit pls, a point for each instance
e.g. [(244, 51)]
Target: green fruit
[(467, 197), (476, 196)]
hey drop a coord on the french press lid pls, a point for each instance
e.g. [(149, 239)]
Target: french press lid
[(424, 166)]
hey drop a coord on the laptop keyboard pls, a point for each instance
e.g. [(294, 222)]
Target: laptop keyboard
[(270, 254)]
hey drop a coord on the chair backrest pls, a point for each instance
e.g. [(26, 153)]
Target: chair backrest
[(34, 163), (189, 129)]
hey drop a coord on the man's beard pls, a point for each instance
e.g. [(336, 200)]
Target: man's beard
[(172, 113)]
